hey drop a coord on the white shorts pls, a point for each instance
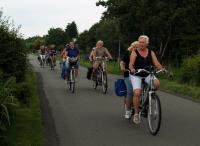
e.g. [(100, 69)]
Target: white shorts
[(42, 56), (137, 81)]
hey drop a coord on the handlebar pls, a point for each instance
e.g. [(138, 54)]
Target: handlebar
[(102, 58), (148, 72), (72, 59)]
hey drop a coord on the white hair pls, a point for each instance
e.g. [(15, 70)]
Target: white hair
[(146, 38)]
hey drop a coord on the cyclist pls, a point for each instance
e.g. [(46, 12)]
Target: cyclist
[(47, 58), (42, 54), (72, 52), (142, 58), (53, 56), (124, 66), (100, 51), (64, 60), (91, 58)]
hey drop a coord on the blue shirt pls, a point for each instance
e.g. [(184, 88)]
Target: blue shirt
[(72, 52)]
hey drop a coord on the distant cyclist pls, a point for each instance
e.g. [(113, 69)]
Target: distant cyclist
[(100, 51), (53, 56), (91, 58), (124, 66), (42, 54), (64, 61), (142, 58)]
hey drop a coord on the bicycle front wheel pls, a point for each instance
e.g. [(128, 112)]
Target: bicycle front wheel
[(104, 82), (72, 81), (154, 114)]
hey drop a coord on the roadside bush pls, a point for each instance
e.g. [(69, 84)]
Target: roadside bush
[(22, 92), (190, 70), (12, 50)]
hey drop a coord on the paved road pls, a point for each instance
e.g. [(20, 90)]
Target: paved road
[(89, 118)]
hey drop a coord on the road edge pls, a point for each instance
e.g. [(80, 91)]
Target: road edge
[(51, 137)]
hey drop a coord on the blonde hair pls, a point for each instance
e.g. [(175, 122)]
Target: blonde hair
[(100, 42), (133, 46)]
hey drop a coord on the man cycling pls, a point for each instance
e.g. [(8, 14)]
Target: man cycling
[(142, 58), (99, 51), (72, 54)]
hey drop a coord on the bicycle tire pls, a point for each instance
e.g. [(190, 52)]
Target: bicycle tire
[(154, 130), (104, 82), (72, 81), (73, 87)]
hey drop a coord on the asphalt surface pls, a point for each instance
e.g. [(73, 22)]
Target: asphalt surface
[(90, 118)]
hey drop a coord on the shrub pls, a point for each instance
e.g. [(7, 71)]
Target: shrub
[(12, 50), (190, 70), (22, 92)]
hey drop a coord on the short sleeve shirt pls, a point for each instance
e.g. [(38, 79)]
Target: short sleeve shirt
[(72, 52)]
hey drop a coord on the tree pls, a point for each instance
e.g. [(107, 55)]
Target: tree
[(12, 50), (71, 30), (56, 36)]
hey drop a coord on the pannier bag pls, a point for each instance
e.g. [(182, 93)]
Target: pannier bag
[(120, 88)]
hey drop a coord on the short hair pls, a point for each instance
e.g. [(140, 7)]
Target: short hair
[(100, 42), (146, 38)]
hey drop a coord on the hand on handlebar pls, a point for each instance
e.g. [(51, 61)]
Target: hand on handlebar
[(132, 71), (163, 70)]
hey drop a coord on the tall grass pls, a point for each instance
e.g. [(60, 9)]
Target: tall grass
[(6, 99)]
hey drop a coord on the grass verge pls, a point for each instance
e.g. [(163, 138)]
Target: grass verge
[(174, 87), (26, 125)]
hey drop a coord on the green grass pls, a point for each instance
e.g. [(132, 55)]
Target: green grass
[(175, 87), (26, 124), (181, 89)]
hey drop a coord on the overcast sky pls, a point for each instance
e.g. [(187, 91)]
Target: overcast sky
[(37, 16)]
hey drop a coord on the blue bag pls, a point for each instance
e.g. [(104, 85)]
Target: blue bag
[(120, 88)]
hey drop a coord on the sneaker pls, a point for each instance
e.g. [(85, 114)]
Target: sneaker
[(127, 114), (136, 118)]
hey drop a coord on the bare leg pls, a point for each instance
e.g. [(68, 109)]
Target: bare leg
[(137, 94)]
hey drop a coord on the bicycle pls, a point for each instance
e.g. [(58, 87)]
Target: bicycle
[(150, 106), (72, 74), (102, 75)]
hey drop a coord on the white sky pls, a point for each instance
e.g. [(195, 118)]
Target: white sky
[(37, 16)]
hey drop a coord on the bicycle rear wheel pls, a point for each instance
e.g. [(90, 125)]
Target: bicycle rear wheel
[(154, 118), (104, 82)]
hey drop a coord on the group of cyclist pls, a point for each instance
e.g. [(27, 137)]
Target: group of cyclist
[(137, 56), (47, 55)]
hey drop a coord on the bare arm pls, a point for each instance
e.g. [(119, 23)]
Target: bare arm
[(91, 55), (155, 61), (132, 61), (108, 53), (94, 54)]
